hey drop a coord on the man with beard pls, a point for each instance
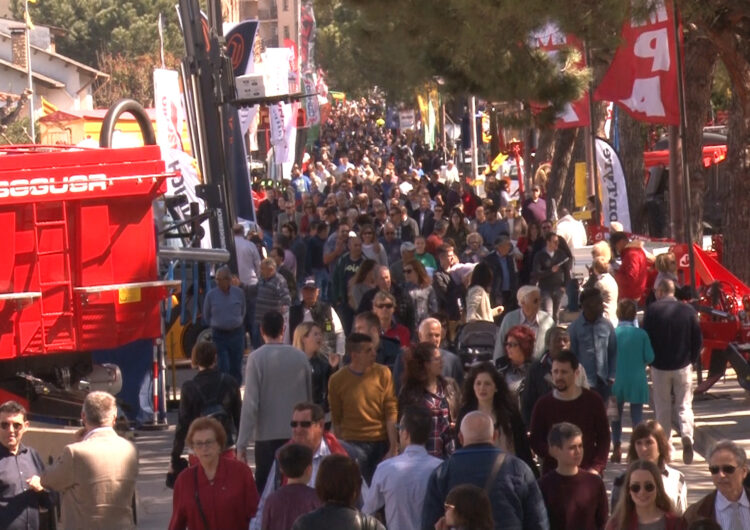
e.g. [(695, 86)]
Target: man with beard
[(579, 406)]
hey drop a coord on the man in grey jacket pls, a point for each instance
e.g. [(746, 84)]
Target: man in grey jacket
[(276, 378)]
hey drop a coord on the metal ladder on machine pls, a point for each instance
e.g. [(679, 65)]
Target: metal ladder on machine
[(54, 282)]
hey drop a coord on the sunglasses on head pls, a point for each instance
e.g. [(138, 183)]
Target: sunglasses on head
[(648, 486), (5, 425), (303, 424), (727, 470)]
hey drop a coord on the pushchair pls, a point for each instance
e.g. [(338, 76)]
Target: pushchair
[(476, 342)]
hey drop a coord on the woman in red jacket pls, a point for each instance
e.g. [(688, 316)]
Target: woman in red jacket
[(218, 492)]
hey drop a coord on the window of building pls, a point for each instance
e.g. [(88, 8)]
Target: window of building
[(286, 32), (285, 5)]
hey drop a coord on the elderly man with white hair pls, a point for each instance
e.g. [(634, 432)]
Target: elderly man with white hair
[(431, 330), (529, 315), (515, 497)]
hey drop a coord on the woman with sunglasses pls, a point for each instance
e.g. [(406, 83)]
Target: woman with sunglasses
[(519, 351), (424, 386), (646, 505), (419, 288), (649, 442), (485, 390), (371, 247)]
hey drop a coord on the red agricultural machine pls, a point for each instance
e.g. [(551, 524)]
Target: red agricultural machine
[(78, 271), (723, 304)]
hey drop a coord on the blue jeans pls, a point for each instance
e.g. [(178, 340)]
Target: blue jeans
[(636, 416), (368, 456), (231, 347)]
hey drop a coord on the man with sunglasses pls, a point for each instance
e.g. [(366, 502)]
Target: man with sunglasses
[(729, 505), (308, 429), (19, 501)]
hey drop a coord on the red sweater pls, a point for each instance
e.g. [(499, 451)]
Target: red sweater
[(230, 501), (574, 502), (587, 412)]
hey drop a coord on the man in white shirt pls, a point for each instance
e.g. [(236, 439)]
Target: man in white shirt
[(728, 505), (400, 483)]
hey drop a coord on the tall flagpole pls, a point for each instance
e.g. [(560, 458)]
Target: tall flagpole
[(687, 199), (28, 71)]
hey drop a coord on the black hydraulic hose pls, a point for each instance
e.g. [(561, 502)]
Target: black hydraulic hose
[(113, 114)]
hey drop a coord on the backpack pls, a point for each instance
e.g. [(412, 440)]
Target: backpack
[(212, 408)]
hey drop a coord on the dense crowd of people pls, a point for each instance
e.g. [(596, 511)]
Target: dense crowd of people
[(408, 367)]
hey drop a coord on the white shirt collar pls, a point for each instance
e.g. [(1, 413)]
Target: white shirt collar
[(98, 429), (722, 503)]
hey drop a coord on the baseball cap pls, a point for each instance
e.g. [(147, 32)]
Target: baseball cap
[(309, 283)]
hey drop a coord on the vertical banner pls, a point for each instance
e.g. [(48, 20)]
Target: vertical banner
[(642, 78), (551, 38), (307, 62), (613, 188), (240, 44), (170, 118)]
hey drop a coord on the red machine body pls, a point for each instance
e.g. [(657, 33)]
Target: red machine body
[(78, 270), (724, 308)]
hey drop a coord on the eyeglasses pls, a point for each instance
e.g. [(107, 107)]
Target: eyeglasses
[(408, 271), (449, 506), (648, 486), (6, 425), (727, 470), (303, 424), (511, 344), (203, 443), (384, 306)]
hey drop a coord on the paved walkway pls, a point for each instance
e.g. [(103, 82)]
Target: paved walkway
[(724, 413)]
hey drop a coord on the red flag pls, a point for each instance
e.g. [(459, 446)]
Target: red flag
[(643, 76), (550, 39)]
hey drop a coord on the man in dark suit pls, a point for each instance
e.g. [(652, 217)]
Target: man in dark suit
[(504, 274), (424, 217)]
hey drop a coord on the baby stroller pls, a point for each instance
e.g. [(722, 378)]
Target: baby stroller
[(476, 342)]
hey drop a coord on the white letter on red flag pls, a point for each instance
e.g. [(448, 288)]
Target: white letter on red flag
[(643, 75)]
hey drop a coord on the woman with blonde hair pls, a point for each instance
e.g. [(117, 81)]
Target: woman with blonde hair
[(308, 337), (644, 504)]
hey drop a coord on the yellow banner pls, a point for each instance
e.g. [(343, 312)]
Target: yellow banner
[(581, 185)]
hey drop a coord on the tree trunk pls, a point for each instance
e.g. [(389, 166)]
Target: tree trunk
[(561, 163), (545, 148), (632, 141), (700, 62)]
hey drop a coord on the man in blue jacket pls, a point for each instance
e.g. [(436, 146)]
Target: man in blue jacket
[(516, 499)]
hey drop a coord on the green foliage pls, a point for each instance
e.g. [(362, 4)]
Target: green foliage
[(476, 46), (16, 132), (126, 27)]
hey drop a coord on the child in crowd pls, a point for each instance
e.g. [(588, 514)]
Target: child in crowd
[(295, 498), (574, 498)]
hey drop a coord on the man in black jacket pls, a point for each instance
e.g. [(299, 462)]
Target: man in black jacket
[(550, 270), (209, 393), (676, 339), (315, 310)]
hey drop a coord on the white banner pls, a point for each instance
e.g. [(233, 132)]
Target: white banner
[(170, 116), (614, 193)]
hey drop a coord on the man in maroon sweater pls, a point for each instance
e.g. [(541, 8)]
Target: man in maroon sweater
[(574, 498), (579, 406)]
